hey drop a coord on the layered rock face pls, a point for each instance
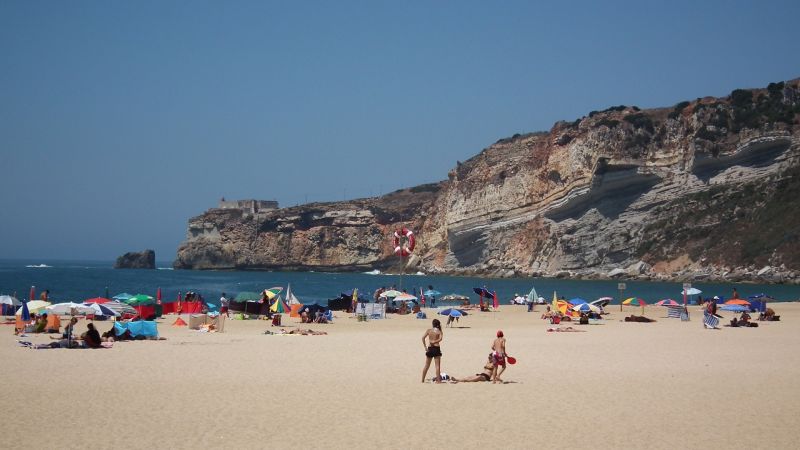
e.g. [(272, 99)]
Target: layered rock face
[(703, 190), (137, 260)]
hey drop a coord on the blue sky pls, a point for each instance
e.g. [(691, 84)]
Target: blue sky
[(120, 120)]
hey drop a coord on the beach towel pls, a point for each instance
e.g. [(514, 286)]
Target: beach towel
[(710, 320)]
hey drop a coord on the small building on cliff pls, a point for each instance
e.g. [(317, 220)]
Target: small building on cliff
[(251, 206)]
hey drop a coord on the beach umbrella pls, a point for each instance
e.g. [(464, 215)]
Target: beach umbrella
[(432, 293), (667, 302), (635, 301), (122, 297), (454, 298), (97, 300), (158, 296), (453, 312), (120, 308), (272, 292), (738, 301), (102, 310), (602, 301), (586, 307), (403, 297), (280, 307), (391, 293), (34, 306), (69, 308), (9, 300), (577, 301), (483, 292), (140, 300), (734, 307), (32, 294)]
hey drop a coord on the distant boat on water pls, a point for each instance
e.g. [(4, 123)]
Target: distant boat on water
[(373, 272), (38, 266)]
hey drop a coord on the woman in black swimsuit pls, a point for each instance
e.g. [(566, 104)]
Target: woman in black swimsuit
[(432, 350)]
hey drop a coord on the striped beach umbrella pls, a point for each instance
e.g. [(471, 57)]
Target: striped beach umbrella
[(635, 301), (667, 302)]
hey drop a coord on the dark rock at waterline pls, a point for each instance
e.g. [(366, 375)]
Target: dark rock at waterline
[(137, 260)]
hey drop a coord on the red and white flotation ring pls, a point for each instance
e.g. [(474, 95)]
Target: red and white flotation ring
[(404, 250)]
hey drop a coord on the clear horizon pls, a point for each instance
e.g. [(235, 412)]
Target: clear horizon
[(120, 121)]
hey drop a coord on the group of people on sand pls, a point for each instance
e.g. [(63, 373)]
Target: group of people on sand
[(494, 367)]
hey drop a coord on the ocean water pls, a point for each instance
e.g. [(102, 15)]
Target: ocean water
[(79, 280)]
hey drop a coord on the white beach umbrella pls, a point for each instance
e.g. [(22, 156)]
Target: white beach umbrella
[(9, 300), (72, 309), (102, 310)]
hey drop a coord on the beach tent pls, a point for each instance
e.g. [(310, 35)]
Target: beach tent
[(146, 328)]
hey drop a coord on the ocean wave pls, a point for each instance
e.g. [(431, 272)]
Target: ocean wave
[(38, 266), (165, 268)]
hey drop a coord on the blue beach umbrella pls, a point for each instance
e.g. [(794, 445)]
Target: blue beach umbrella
[(585, 307), (577, 301), (483, 292), (454, 312)]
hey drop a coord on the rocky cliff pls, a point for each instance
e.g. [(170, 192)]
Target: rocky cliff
[(706, 189), (137, 260)]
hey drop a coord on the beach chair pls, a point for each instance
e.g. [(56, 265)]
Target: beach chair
[(710, 320)]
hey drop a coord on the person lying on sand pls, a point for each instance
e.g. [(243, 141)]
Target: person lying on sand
[(642, 319), (565, 330), (486, 375), (304, 332)]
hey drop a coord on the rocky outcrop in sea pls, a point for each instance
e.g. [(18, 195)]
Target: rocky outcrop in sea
[(137, 260), (704, 190)]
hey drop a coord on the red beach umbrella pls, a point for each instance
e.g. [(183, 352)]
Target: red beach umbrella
[(32, 296), (98, 300), (158, 296)]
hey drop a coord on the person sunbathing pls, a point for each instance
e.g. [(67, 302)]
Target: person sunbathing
[(486, 375), (565, 330), (304, 332), (643, 319)]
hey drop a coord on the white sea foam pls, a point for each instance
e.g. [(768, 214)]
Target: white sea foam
[(38, 266)]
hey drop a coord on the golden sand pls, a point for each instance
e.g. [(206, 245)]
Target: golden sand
[(668, 384)]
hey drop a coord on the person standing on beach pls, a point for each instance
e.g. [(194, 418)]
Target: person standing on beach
[(432, 348), (224, 304), (498, 356)]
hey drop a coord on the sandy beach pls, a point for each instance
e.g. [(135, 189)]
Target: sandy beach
[(668, 384)]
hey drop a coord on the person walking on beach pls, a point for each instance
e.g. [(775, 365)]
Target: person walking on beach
[(433, 350), (498, 356)]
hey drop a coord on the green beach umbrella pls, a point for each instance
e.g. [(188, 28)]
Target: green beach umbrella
[(140, 300)]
